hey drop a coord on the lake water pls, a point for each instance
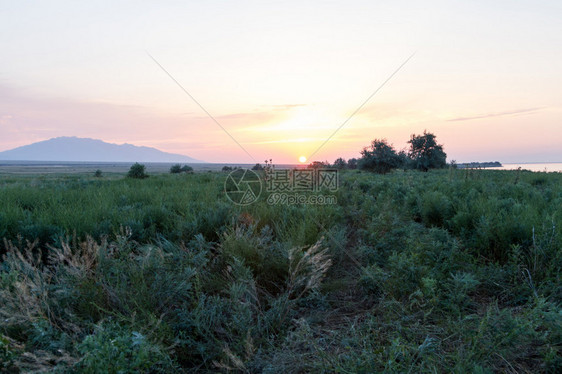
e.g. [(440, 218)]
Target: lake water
[(547, 166)]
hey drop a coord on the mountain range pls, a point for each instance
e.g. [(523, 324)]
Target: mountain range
[(74, 149)]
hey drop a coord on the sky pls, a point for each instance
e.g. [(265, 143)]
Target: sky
[(280, 77)]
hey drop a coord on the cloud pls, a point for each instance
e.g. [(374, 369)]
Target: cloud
[(246, 117), (285, 106), (294, 140), (498, 114)]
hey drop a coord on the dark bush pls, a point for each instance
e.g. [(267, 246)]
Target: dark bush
[(425, 153), (340, 163), (436, 209), (186, 169), (137, 171), (175, 169), (379, 158)]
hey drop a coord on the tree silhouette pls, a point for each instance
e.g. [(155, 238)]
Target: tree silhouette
[(380, 157), (425, 153), (340, 163), (137, 171)]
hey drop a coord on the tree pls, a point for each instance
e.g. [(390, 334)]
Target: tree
[(352, 163), (319, 165), (175, 169), (257, 167), (425, 153), (98, 174), (340, 163), (405, 162), (137, 171), (380, 157), (187, 169)]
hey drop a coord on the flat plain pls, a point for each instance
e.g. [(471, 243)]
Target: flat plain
[(443, 271)]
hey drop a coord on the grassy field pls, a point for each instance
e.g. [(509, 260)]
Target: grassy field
[(34, 168), (445, 271)]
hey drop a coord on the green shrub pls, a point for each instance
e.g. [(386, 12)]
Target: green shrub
[(539, 181), (373, 280), (268, 261), (113, 349), (177, 168), (380, 157), (506, 334), (186, 169), (436, 209), (137, 171), (7, 356), (460, 285)]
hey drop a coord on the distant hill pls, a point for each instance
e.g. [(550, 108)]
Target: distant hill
[(89, 150)]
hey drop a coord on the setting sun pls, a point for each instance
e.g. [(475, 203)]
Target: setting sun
[(302, 159)]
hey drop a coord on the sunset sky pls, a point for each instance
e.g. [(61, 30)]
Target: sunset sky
[(282, 76)]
